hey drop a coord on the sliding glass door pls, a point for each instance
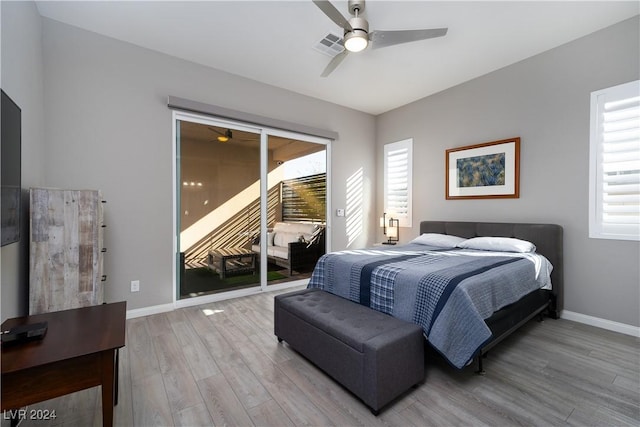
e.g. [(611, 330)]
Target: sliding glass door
[(297, 208), (250, 206), (219, 207)]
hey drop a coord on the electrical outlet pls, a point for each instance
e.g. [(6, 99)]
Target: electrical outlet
[(339, 212), (135, 285)]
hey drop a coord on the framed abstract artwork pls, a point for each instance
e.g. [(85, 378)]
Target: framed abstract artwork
[(484, 171)]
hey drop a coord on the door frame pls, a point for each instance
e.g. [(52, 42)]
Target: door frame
[(264, 132)]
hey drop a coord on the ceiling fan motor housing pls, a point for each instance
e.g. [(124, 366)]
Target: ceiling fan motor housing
[(360, 27), (357, 38)]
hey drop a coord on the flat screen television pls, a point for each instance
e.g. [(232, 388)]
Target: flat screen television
[(10, 158)]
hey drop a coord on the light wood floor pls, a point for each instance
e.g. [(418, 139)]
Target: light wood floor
[(220, 364)]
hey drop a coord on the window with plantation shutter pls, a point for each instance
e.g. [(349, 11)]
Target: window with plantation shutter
[(614, 199), (397, 181)]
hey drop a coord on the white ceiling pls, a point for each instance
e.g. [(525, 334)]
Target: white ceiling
[(272, 41)]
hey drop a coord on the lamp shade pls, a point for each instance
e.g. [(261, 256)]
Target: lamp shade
[(393, 231)]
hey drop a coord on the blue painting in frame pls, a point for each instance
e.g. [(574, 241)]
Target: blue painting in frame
[(484, 171)]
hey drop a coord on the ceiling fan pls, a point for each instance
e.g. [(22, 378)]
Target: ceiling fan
[(357, 35), (222, 136)]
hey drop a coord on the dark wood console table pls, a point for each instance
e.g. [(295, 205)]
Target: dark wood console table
[(78, 352)]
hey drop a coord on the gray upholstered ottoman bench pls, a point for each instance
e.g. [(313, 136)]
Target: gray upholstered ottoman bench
[(375, 356)]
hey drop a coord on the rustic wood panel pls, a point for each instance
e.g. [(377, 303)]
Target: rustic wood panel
[(65, 249)]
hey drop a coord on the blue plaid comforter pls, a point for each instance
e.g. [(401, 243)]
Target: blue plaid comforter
[(447, 292)]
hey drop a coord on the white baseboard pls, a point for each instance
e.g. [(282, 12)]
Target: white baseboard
[(148, 311), (206, 299), (609, 325), (189, 302)]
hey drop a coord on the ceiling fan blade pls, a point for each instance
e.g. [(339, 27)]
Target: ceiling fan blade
[(215, 130), (334, 63), (333, 14), (389, 38)]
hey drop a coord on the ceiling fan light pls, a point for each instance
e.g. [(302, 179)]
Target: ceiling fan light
[(226, 137), (355, 41)]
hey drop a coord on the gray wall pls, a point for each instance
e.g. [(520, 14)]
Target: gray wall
[(108, 127), (544, 100), (22, 79)]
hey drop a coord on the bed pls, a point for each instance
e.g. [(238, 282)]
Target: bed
[(467, 300)]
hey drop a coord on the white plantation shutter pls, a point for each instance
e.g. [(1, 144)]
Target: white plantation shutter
[(397, 181), (615, 163)]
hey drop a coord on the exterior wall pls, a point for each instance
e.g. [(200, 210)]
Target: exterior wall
[(224, 171)]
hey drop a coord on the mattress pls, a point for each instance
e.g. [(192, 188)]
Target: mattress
[(448, 292)]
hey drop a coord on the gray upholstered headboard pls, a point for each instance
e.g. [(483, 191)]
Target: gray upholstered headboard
[(546, 237)]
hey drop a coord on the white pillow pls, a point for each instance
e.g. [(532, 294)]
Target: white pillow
[(500, 244), (283, 239), (439, 240)]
